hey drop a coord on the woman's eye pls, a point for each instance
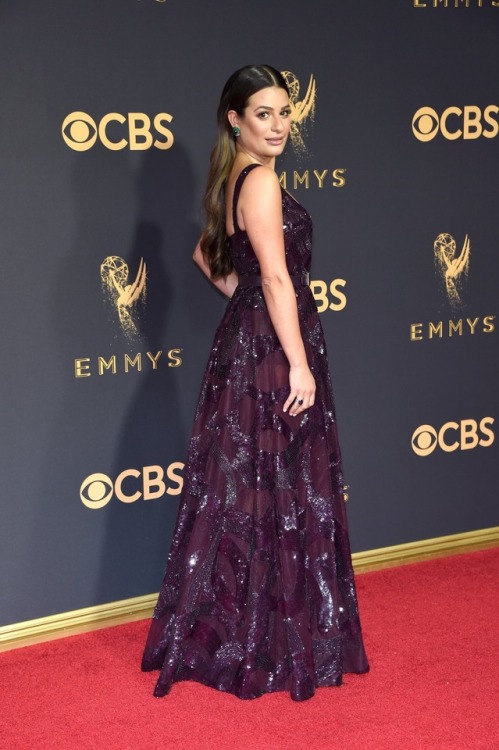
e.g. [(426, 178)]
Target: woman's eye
[(285, 113), (263, 115)]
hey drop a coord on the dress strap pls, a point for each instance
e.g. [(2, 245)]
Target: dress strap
[(237, 189)]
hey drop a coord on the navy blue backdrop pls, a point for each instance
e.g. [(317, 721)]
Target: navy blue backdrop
[(107, 121)]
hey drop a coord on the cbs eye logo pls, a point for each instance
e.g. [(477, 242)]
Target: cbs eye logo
[(468, 123), (150, 484), (453, 436), (135, 131)]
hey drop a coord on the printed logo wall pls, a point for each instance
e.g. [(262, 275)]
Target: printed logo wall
[(126, 296), (100, 201), (468, 122), (458, 398), (330, 295), (452, 266), (135, 131), (451, 276)]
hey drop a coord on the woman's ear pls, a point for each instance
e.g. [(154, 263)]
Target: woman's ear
[(233, 117)]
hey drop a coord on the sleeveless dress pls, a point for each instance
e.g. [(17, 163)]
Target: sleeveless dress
[(259, 593)]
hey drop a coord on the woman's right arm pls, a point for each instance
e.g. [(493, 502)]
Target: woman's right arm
[(227, 286)]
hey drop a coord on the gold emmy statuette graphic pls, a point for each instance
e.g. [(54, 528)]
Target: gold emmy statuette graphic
[(300, 110), (123, 296), (453, 269)]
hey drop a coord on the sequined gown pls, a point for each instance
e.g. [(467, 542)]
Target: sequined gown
[(258, 593)]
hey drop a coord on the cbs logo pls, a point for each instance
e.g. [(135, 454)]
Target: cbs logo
[(329, 298), (129, 486), (80, 131), (453, 436), (469, 122)]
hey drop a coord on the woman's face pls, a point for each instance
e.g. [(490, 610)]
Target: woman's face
[(265, 124)]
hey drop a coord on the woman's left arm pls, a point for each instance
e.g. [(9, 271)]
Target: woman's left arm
[(227, 286)]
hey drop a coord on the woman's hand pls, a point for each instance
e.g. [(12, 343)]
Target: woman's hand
[(302, 390)]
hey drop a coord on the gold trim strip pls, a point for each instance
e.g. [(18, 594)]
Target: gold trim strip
[(129, 610), (402, 554), (75, 622)]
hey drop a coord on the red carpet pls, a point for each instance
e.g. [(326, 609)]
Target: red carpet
[(432, 636)]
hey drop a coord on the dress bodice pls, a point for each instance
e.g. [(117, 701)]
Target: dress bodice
[(297, 226)]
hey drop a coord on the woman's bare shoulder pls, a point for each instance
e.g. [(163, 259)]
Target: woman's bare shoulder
[(263, 179)]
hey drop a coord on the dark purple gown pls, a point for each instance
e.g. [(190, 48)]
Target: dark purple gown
[(259, 592)]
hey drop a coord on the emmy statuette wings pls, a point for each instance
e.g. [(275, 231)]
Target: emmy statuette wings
[(123, 296)]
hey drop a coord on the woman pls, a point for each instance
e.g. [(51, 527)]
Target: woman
[(259, 592)]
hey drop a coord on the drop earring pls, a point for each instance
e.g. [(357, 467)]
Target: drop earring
[(237, 131)]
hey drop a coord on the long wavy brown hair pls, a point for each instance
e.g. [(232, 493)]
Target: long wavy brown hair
[(241, 85)]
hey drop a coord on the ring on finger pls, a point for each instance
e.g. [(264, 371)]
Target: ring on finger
[(300, 401)]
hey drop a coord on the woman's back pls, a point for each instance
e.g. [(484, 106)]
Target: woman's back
[(297, 227)]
